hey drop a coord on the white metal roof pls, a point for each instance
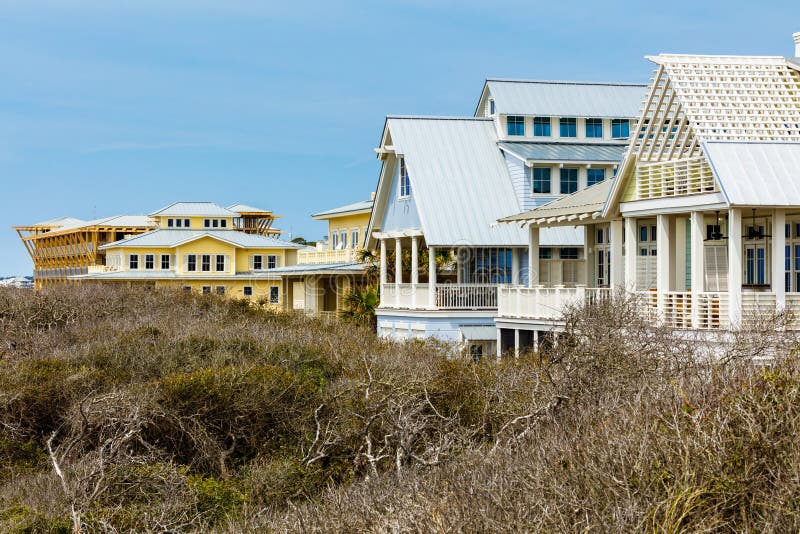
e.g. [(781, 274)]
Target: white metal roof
[(244, 208), (195, 209), (566, 98), (756, 174), (459, 180), (60, 222), (173, 237), (364, 205), (584, 204)]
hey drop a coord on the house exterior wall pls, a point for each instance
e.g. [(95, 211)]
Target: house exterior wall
[(400, 213), (443, 327), (348, 223)]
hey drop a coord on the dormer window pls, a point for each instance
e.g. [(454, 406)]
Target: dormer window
[(515, 125), (568, 127), (541, 126), (594, 128), (620, 128), (405, 181)]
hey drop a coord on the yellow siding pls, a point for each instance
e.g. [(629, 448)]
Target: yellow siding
[(197, 223), (205, 245), (349, 223), (243, 257)]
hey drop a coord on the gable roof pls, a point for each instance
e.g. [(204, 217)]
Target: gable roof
[(459, 180), (565, 98), (167, 238), (244, 208), (756, 174), (194, 209), (364, 205), (564, 152)]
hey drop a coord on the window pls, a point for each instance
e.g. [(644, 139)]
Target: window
[(545, 253), (272, 261), (569, 180), (133, 261), (215, 223), (247, 291), (541, 126), (165, 260), (540, 180), (343, 239), (713, 232), (205, 262), (188, 289), (170, 224), (223, 223), (594, 128), (178, 222), (257, 265), (620, 128), (149, 261), (274, 296), (207, 223), (568, 127), (206, 290), (354, 238), (491, 107), (569, 253), (515, 125), (405, 181), (191, 262), (186, 223), (487, 266), (476, 352), (220, 262), (220, 290), (601, 236), (595, 176)]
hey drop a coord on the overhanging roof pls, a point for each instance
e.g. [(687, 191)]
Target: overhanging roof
[(756, 173), (584, 205), (565, 152), (195, 209), (174, 237), (356, 207)]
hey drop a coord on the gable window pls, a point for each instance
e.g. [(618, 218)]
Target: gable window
[(149, 261), (170, 224), (594, 128), (569, 180), (595, 176), (191, 262), (541, 126), (274, 295), (354, 238), (257, 263), (205, 262), (247, 291), (165, 258), (620, 128), (568, 127), (515, 125), (405, 182), (491, 107), (220, 262), (133, 261), (541, 180), (272, 261)]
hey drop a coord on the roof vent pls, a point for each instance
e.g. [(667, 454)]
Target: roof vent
[(796, 36)]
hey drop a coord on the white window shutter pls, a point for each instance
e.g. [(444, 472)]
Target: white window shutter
[(227, 263), (716, 260), (250, 261)]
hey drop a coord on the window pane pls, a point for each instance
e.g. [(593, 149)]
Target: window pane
[(515, 125), (569, 181), (541, 126), (541, 180), (594, 128), (595, 176), (568, 127), (620, 128)]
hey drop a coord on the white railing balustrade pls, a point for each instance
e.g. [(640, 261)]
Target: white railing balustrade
[(712, 310), (678, 309), (314, 257), (546, 303), (466, 296)]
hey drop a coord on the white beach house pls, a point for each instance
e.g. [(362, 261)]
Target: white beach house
[(446, 181), (703, 218)]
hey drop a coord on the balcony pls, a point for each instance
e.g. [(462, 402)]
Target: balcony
[(445, 297), (545, 303), (315, 257)]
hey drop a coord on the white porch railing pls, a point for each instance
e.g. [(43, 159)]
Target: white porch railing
[(447, 297), (546, 303), (307, 257)]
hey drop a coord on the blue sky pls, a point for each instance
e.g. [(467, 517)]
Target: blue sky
[(121, 107)]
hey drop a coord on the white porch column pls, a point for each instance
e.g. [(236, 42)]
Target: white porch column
[(516, 342), (499, 347), (679, 246), (615, 240), (533, 257), (698, 263), (779, 257), (383, 262), (432, 278), (414, 269), (663, 261), (398, 268), (735, 266), (515, 266), (631, 252), (589, 237)]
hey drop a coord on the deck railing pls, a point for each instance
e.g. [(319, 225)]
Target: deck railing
[(546, 303), (314, 257), (447, 296)]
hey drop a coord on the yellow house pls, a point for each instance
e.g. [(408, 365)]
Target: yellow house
[(325, 273), (198, 246)]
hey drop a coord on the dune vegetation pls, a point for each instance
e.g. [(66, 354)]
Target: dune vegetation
[(129, 410)]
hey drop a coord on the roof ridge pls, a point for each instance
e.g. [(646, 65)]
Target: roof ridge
[(438, 118), (566, 82)]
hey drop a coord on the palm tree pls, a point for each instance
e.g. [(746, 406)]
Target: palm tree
[(359, 305)]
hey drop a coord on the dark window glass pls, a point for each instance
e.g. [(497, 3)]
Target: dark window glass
[(569, 253), (272, 261), (515, 125), (186, 223), (223, 223), (257, 265), (541, 180), (620, 128), (491, 107), (569, 181), (170, 224), (220, 290), (568, 127), (273, 295), (207, 223), (545, 253), (215, 223), (191, 262), (594, 128), (595, 176), (248, 291), (220, 262), (206, 290), (133, 261), (541, 126), (643, 234), (149, 261), (165, 261), (205, 262)]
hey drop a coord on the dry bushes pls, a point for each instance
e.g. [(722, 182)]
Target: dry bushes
[(150, 411)]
